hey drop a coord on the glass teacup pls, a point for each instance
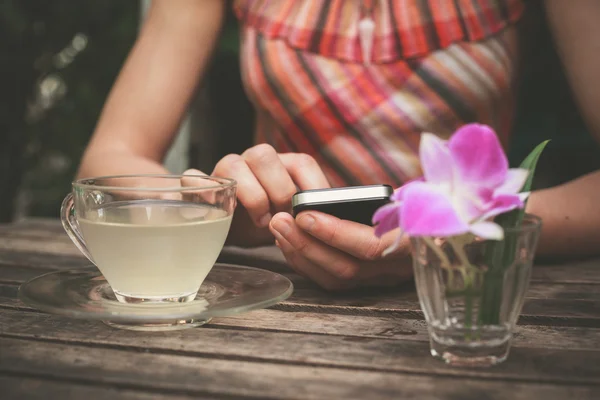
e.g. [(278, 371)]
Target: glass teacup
[(155, 238)]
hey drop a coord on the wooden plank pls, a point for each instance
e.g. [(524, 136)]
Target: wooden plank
[(585, 271), (8, 298), (526, 336), (31, 223), (540, 364), (538, 289), (44, 246), (38, 264), (42, 261), (535, 312), (530, 336), (561, 291), (562, 337), (183, 374), (12, 231), (10, 274), (20, 387), (387, 302), (547, 303)]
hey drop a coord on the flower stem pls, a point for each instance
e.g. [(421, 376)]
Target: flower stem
[(438, 252), (469, 277)]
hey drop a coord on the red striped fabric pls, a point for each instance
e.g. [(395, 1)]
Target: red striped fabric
[(436, 64)]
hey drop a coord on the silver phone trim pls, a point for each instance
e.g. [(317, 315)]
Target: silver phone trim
[(345, 194)]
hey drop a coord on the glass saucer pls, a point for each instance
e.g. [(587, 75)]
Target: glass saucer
[(84, 294)]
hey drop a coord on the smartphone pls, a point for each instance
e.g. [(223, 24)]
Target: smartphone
[(354, 203)]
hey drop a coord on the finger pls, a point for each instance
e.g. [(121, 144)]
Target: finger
[(216, 193), (250, 192), (197, 180), (306, 268), (287, 250), (349, 237), (331, 260), (193, 171), (272, 175), (305, 171)]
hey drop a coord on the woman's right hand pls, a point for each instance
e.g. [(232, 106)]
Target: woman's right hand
[(266, 183)]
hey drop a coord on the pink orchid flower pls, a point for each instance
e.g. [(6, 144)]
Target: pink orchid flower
[(466, 183)]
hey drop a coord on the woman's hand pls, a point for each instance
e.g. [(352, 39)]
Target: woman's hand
[(339, 254), (266, 183), (334, 253)]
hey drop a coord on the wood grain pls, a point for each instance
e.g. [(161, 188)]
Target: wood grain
[(22, 387), (369, 343), (378, 354), (34, 223), (41, 260), (207, 376), (367, 326), (530, 336), (549, 304), (39, 246)]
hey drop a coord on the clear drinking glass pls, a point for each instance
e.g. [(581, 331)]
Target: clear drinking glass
[(155, 238), (472, 290)]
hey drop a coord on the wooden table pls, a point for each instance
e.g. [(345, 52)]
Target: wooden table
[(361, 345)]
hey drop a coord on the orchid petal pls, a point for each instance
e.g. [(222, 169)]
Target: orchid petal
[(478, 157), (427, 211), (398, 193), (386, 218), (487, 230), (471, 204), (435, 159), (515, 180), (502, 204)]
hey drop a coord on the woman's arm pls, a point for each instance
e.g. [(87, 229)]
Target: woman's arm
[(571, 212), (143, 111)]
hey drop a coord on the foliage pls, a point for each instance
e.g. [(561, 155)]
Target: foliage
[(60, 58)]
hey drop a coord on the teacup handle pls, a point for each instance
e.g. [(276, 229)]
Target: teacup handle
[(69, 222)]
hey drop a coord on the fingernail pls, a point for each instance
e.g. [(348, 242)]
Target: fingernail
[(264, 220), (281, 227), (306, 221)]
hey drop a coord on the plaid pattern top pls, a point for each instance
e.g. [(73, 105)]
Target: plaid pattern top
[(435, 65)]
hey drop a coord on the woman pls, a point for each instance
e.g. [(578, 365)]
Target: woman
[(342, 91)]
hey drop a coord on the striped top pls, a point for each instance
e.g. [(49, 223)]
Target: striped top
[(434, 65)]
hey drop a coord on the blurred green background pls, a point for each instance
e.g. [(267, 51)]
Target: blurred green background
[(59, 58)]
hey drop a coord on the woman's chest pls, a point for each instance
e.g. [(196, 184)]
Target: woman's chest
[(398, 29)]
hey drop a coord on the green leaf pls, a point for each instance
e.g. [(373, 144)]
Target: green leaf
[(514, 218), (500, 255), (530, 163)]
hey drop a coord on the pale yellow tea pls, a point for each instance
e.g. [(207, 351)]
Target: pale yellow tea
[(155, 249)]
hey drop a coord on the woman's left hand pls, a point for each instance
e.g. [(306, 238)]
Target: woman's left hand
[(339, 254)]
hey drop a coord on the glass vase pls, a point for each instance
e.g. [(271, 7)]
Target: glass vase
[(472, 290)]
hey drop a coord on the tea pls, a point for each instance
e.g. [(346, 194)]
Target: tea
[(155, 249)]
